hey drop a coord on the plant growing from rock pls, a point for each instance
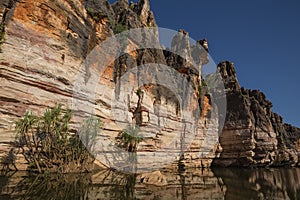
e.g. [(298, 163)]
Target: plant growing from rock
[(47, 144), (119, 28), (129, 139), (97, 16)]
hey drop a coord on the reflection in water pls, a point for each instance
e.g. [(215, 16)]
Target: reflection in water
[(22, 186), (275, 183), (228, 183)]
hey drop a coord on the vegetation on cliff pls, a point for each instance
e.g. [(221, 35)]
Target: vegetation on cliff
[(38, 69), (129, 139), (47, 144)]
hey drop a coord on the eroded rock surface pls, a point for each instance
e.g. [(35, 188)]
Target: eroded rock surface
[(253, 135), (48, 41)]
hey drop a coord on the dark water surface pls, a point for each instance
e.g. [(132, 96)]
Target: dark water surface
[(228, 183)]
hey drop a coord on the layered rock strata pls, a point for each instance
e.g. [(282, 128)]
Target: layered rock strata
[(46, 44), (253, 135)]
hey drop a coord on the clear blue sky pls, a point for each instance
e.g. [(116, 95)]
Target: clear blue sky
[(262, 38)]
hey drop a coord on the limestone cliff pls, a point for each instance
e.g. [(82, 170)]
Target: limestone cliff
[(45, 42), (253, 135)]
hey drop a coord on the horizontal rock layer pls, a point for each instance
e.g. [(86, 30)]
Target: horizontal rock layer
[(253, 135), (45, 57), (48, 43)]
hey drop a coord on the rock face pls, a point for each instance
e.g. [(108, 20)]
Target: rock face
[(253, 135), (46, 43)]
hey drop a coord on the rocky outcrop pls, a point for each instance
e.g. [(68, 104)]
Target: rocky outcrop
[(101, 9), (291, 137), (187, 58), (252, 135), (46, 44), (135, 15)]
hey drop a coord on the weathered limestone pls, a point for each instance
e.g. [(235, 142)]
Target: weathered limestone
[(253, 135), (46, 44)]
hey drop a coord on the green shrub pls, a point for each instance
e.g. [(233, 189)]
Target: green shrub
[(119, 28), (97, 16), (129, 139), (48, 145)]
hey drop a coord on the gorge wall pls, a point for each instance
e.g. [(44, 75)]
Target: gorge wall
[(253, 135), (44, 44)]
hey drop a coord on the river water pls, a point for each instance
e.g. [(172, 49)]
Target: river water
[(221, 183)]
